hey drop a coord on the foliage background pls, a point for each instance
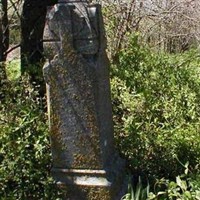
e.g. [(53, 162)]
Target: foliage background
[(156, 109), (25, 157)]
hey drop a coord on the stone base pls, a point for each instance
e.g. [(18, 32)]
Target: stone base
[(88, 184), (90, 193)]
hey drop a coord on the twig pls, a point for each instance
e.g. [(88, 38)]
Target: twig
[(11, 49)]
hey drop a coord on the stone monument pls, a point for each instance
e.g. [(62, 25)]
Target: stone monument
[(85, 163)]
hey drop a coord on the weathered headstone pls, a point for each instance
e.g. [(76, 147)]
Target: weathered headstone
[(80, 116)]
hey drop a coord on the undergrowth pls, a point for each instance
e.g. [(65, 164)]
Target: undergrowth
[(157, 110), (25, 157)]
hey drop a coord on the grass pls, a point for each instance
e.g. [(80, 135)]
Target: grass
[(13, 69)]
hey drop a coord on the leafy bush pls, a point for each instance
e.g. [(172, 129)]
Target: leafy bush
[(157, 110), (183, 188), (24, 146)]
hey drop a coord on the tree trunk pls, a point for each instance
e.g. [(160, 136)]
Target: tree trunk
[(4, 30), (4, 42), (32, 27)]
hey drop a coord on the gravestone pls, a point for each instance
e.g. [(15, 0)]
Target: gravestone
[(85, 163)]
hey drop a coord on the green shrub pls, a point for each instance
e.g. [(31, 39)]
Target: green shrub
[(25, 158), (183, 188), (157, 110)]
